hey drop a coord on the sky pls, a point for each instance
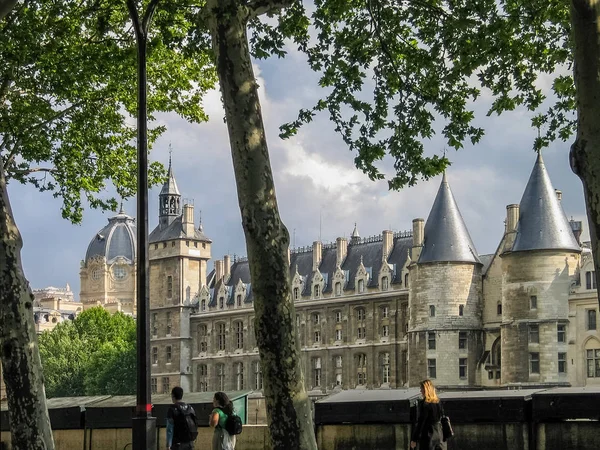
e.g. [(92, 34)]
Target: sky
[(319, 191)]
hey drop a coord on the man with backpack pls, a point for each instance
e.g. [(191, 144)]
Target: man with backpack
[(182, 426)]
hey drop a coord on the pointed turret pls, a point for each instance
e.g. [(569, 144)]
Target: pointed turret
[(446, 236), (355, 238), (169, 199), (542, 224)]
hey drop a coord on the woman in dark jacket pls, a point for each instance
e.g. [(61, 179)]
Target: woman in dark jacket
[(428, 430)]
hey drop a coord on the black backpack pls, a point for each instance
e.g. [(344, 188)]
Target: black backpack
[(186, 425), (233, 424)]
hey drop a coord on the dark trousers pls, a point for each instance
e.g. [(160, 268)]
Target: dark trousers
[(183, 446)]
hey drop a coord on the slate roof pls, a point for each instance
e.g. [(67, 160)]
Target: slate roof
[(170, 186), (446, 236), (116, 239), (175, 230), (486, 260), (542, 222)]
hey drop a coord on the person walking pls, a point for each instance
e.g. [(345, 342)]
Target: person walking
[(428, 430), (182, 426), (223, 408)]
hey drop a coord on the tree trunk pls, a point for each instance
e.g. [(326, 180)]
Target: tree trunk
[(267, 240), (21, 364), (585, 152)]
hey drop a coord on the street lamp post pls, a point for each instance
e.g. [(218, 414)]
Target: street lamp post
[(144, 425)]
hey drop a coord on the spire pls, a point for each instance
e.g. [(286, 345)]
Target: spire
[(446, 235), (169, 199), (355, 237), (543, 224)]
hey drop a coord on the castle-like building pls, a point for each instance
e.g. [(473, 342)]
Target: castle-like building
[(372, 313)]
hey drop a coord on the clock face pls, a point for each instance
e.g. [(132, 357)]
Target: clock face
[(96, 274), (119, 273)]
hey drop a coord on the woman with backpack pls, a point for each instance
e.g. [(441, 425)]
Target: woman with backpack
[(428, 431), (222, 440)]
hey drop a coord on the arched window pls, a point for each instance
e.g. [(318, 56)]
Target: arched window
[(431, 311), (499, 309), (361, 286), (461, 310)]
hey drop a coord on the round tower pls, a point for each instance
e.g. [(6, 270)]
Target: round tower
[(445, 319), (538, 269)]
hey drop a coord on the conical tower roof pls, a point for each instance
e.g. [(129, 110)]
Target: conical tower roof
[(446, 236), (170, 186), (543, 224)]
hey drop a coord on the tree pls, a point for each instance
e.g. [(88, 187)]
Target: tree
[(91, 355), (67, 89), (394, 73)]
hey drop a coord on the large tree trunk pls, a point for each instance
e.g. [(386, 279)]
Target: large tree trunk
[(585, 152), (267, 240), (21, 364)]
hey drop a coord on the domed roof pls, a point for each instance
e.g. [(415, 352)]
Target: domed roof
[(115, 240)]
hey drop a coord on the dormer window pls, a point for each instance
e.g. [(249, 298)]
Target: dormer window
[(239, 300), (203, 305), (590, 280), (384, 284), (338, 289), (317, 291), (296, 293), (406, 280), (221, 302), (361, 286)]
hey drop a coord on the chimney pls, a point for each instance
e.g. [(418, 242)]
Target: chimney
[(341, 250), (226, 266), (316, 252), (388, 243), (558, 195), (512, 218), (418, 232), (218, 270), (188, 220), (577, 228)]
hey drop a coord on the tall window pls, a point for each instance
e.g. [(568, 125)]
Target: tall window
[(385, 330), (296, 293), (317, 290), (203, 305), (462, 340), (431, 368), (593, 363), (431, 310), (361, 286), (338, 379), (316, 319), (317, 337), (361, 369), (361, 331), (534, 334), (590, 280), (202, 378), (239, 335), (462, 368), (385, 368), (385, 312), (239, 375), (316, 362), (338, 317), (338, 362), (169, 324), (562, 363), (154, 385), (221, 336), (166, 385), (154, 324), (169, 354), (239, 300), (533, 302), (338, 289), (169, 286), (534, 362), (384, 284), (499, 309), (154, 355), (461, 310), (221, 376), (431, 341), (338, 335), (561, 333), (258, 383), (406, 280), (221, 302), (360, 314), (591, 319)]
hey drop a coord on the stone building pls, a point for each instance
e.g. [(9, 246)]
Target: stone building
[(53, 305), (384, 311)]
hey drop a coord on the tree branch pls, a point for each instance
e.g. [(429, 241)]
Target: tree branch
[(259, 7), (6, 6), (30, 170)]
